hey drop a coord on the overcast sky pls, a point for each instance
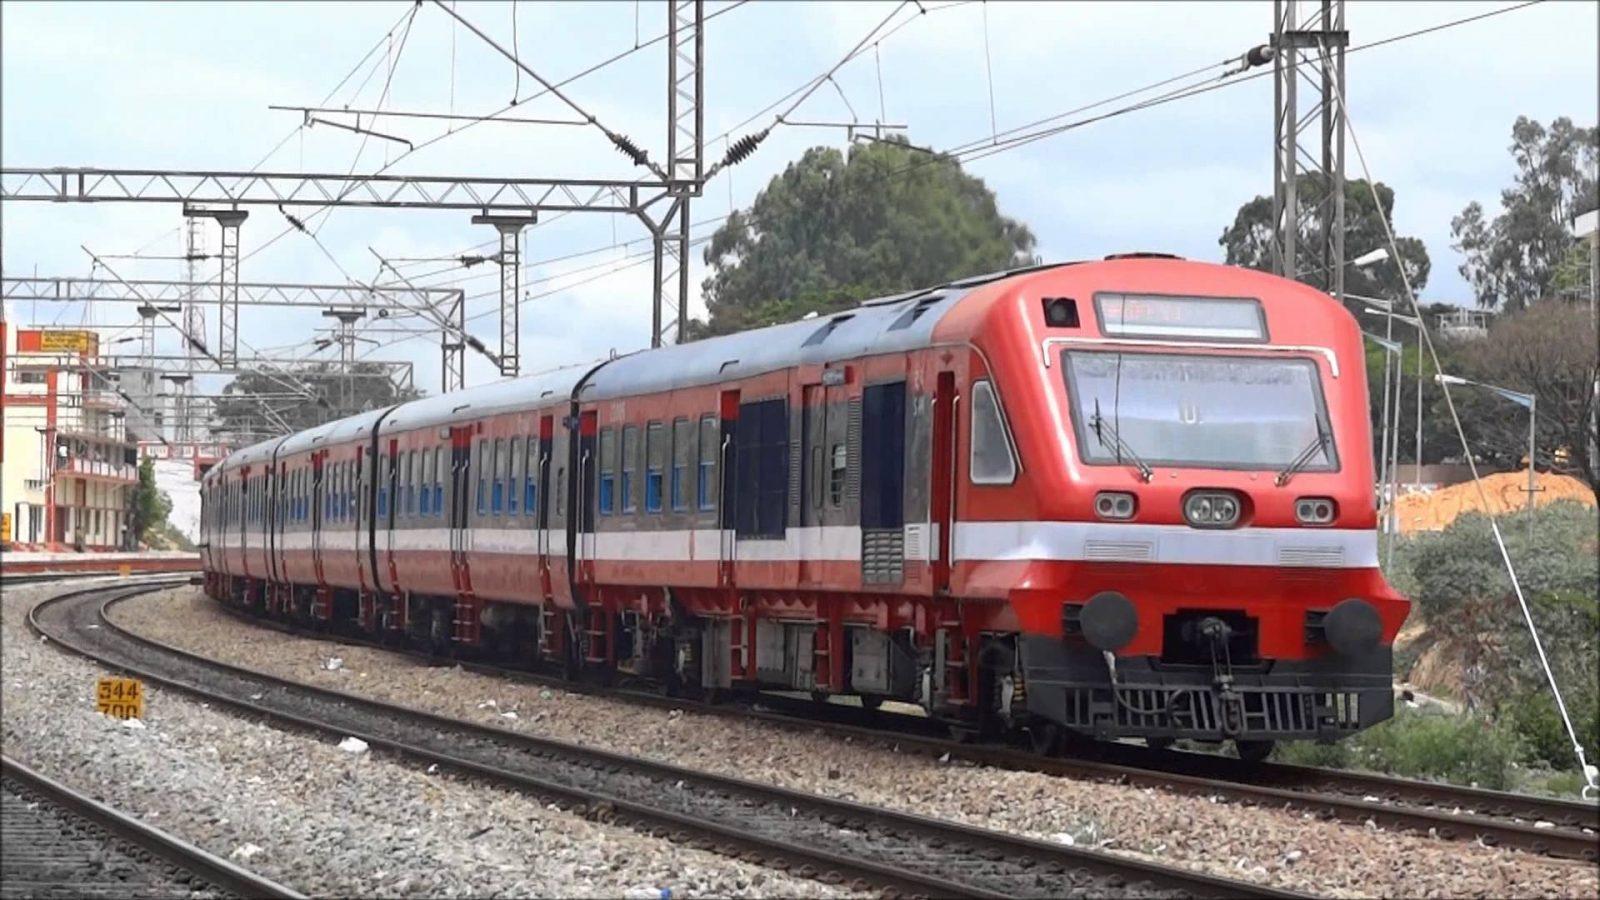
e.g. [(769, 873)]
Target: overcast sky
[(187, 86)]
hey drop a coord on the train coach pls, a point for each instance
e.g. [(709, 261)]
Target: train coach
[(1130, 497)]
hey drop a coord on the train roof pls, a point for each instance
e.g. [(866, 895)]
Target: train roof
[(329, 433), (884, 325), (527, 392)]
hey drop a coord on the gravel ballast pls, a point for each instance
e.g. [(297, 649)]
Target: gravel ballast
[(1284, 848), (302, 811)]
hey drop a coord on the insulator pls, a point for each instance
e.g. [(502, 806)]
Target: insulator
[(475, 344), (1258, 56), (743, 147), (299, 225), (629, 149)]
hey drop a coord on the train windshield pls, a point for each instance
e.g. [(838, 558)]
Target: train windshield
[(1226, 412)]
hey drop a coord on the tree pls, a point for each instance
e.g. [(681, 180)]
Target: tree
[(832, 230), (1248, 241), (151, 506), (1547, 350), (327, 394), (1512, 261)]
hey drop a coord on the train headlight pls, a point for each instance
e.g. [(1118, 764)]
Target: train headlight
[(1315, 510), (1212, 509), (1115, 505)]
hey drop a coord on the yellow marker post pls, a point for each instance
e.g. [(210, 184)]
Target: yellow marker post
[(120, 698), (125, 570)]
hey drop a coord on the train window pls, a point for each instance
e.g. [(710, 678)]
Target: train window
[(654, 462), (483, 477), (838, 473), (413, 476), (438, 481), (514, 486), (608, 470), (814, 478), (630, 467), (681, 448), (530, 489), (424, 488), (497, 496), (561, 490), (383, 486), (705, 483), (992, 460)]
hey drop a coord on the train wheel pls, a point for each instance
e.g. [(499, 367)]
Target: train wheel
[(820, 696), (1254, 751), (870, 702), (1045, 738)]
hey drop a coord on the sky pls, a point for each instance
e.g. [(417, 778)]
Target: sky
[(187, 86)]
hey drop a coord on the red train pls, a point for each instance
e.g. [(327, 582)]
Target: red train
[(1125, 497)]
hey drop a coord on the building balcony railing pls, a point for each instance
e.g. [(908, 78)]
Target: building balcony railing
[(90, 468)]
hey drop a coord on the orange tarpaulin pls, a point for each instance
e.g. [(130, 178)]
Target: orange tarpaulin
[(1506, 492)]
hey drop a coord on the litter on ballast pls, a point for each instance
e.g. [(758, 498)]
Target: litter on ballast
[(353, 745), (246, 851), (133, 724), (333, 663)]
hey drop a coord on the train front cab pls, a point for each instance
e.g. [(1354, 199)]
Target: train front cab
[(1201, 558)]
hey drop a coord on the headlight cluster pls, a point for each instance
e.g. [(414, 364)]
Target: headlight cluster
[(1315, 510), (1115, 505), (1211, 509)]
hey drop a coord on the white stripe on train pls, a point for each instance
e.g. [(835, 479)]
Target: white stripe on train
[(974, 541)]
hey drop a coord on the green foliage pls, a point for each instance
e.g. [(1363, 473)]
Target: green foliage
[(833, 230), (151, 506), (1459, 586), (1464, 749), (325, 394), (1547, 350), (1248, 241), (1512, 261)]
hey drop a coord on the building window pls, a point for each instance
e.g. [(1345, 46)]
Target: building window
[(710, 452), (654, 461), (608, 468), (993, 461)]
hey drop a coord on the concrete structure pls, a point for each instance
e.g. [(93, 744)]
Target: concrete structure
[(68, 466)]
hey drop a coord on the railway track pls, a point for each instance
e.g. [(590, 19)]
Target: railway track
[(1543, 825), (58, 842), (832, 840)]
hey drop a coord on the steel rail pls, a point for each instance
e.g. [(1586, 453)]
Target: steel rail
[(880, 846), (1445, 811), (115, 825)]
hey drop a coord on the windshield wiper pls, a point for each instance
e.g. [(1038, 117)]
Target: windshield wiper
[(1117, 445), (1304, 457)]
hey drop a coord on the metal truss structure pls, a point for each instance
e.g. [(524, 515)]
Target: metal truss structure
[(660, 202), (442, 305), (1308, 65)]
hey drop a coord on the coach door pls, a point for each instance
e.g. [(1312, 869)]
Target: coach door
[(460, 494), (813, 481), (319, 504), (942, 479), (727, 462), (543, 496)]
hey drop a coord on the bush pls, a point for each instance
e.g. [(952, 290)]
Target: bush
[(1534, 718), (1464, 749)]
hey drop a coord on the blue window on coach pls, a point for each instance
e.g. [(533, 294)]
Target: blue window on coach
[(654, 461), (608, 470), (630, 467), (680, 463), (425, 496), (497, 465), (705, 490), (478, 465), (514, 486), (438, 486), (530, 487)]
